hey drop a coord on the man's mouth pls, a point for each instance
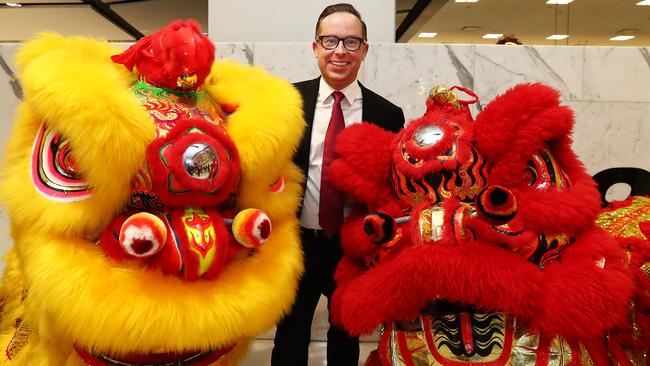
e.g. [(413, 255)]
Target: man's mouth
[(339, 63)]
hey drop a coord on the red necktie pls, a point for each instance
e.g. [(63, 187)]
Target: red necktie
[(330, 214)]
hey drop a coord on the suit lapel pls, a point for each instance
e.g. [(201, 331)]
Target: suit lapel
[(309, 93), (309, 98), (367, 104)]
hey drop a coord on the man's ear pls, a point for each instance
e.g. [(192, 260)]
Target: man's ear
[(314, 44), (365, 51)]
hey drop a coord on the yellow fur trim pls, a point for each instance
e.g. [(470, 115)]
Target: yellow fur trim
[(76, 294), (105, 307), (267, 127)]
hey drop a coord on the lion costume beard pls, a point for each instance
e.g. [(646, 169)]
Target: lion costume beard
[(69, 300)]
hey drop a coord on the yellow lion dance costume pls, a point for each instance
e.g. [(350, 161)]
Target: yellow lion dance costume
[(152, 201)]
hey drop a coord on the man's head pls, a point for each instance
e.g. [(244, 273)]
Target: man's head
[(339, 59)]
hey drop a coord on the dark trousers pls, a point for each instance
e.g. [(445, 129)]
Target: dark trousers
[(293, 334)]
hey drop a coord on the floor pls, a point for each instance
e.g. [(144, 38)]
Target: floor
[(260, 353)]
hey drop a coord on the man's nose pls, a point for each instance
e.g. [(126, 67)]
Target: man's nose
[(340, 48)]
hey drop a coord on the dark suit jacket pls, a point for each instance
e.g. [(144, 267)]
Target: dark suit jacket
[(375, 110)]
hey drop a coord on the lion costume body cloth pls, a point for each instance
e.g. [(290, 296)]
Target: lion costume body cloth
[(475, 242), (152, 201)]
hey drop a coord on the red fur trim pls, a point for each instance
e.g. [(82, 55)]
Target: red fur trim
[(518, 118), (176, 186), (361, 165), (572, 297)]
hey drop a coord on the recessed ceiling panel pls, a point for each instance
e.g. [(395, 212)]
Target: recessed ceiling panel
[(148, 16), (587, 22), (19, 24)]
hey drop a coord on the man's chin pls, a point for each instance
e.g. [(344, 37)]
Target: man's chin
[(338, 80)]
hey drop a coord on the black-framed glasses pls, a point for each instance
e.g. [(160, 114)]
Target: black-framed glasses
[(331, 42)]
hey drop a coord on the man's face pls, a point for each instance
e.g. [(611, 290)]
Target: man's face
[(339, 66)]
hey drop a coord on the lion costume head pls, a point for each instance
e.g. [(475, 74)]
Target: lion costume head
[(152, 206), (475, 241)]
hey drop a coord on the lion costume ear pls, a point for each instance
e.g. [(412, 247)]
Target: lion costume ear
[(77, 126), (364, 161), (517, 124)]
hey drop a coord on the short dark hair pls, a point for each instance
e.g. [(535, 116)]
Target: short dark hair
[(342, 8), (509, 39)]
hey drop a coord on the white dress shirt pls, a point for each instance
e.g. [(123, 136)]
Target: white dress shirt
[(352, 113)]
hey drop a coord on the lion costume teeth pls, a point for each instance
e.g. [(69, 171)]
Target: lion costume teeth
[(122, 188)]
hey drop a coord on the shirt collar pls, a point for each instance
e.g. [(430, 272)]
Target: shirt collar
[(352, 92)]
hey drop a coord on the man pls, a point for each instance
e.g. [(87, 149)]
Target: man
[(331, 102)]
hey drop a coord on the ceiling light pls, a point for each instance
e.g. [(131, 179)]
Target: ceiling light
[(644, 2), (621, 38), (14, 5), (466, 1), (559, 2), (556, 37), (493, 35), (427, 35)]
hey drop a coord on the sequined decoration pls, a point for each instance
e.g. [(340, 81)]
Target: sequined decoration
[(440, 94), (624, 222), (169, 106), (466, 181), (53, 168), (22, 331), (469, 337), (412, 191), (201, 236), (585, 358), (496, 339), (143, 197), (545, 173), (431, 223), (546, 248)]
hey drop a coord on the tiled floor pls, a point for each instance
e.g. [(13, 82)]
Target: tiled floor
[(260, 353)]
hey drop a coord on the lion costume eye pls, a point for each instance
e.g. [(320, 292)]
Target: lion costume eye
[(54, 171)]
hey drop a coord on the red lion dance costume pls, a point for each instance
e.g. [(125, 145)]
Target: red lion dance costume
[(475, 241)]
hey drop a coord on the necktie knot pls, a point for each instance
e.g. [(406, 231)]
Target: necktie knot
[(338, 97)]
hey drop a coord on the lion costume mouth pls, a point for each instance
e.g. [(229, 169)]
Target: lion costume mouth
[(203, 358)]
